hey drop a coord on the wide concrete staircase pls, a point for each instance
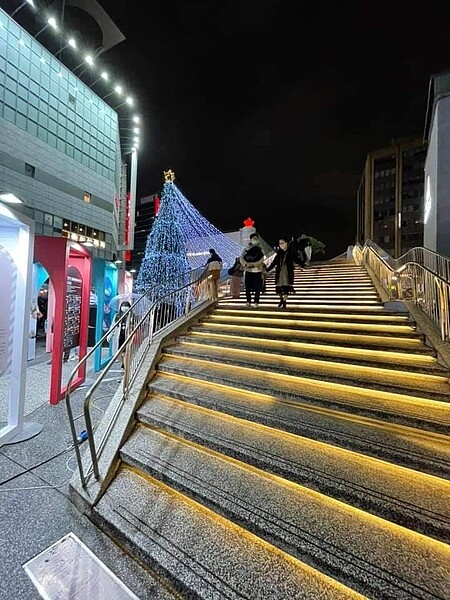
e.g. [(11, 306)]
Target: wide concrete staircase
[(297, 453)]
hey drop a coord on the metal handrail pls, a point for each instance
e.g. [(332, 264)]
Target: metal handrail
[(138, 338), (425, 284), (437, 263)]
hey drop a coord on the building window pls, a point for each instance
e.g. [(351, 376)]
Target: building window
[(87, 197), (72, 100), (30, 170)]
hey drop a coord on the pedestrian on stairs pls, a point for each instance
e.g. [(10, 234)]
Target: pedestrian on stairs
[(252, 260), (214, 265), (283, 263), (303, 250), (236, 273)]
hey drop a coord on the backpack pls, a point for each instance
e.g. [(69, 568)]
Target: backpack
[(253, 254)]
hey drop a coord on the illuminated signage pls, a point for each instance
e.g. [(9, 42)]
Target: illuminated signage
[(428, 200)]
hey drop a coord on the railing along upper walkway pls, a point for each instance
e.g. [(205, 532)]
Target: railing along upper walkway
[(420, 276)]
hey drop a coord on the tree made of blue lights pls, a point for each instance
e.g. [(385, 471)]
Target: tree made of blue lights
[(165, 265), (179, 241)]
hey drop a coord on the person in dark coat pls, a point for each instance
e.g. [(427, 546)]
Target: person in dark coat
[(283, 263)]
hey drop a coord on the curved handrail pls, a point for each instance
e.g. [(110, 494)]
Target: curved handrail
[(438, 263), (164, 309), (411, 280), (145, 297)]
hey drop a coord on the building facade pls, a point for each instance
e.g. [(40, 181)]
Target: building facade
[(146, 212), (390, 199), (60, 151), (437, 172)]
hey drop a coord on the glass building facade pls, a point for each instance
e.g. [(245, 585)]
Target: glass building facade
[(60, 149), (391, 196)]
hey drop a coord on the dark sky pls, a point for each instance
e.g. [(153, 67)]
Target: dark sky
[(268, 109)]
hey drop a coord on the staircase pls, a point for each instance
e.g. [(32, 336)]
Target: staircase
[(296, 453)]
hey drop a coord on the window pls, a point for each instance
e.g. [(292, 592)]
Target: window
[(87, 197), (30, 170)]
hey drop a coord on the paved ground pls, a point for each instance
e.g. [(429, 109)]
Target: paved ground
[(34, 507)]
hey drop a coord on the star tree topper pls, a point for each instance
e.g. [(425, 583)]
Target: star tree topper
[(169, 176)]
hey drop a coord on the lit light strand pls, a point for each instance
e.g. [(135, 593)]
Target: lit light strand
[(165, 264), (179, 241)]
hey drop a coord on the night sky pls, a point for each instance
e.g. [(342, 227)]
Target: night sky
[(268, 109)]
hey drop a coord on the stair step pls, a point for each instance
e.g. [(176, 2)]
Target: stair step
[(419, 450), (399, 408), (421, 363), (327, 534), (411, 344), (402, 329), (239, 304), (413, 381), (290, 313), (159, 525), (407, 497)]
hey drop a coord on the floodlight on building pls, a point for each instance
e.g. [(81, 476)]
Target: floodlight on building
[(51, 22), (9, 198), (30, 2), (89, 60), (104, 75), (70, 42), (129, 100), (136, 130), (136, 119), (136, 140), (118, 89)]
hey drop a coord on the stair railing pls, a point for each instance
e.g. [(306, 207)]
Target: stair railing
[(151, 314), (420, 276)]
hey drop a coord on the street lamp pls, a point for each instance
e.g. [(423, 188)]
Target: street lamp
[(9, 198)]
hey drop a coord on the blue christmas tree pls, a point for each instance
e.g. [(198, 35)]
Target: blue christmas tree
[(165, 265), (179, 241)]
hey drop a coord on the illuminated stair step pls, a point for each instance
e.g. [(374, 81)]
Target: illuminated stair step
[(290, 313), (215, 457), (301, 294), (414, 383), (240, 304), (328, 287), (383, 358), (225, 561), (320, 302), (400, 408), (421, 450), (257, 319), (412, 344)]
